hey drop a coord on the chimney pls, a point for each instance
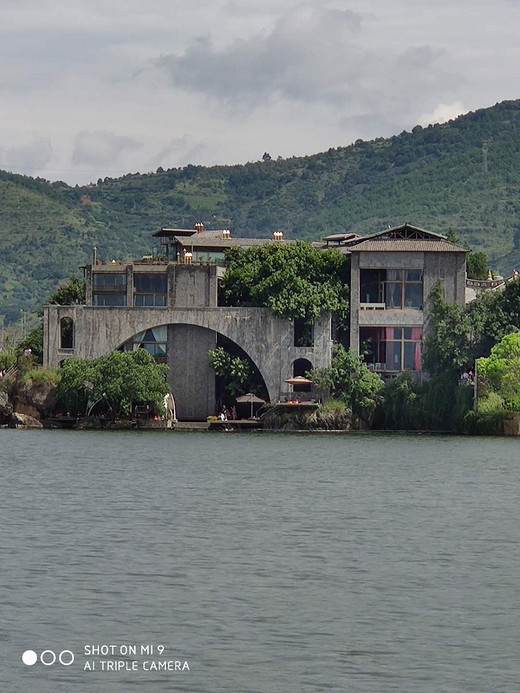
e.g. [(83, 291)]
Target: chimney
[(199, 227), (94, 256), (226, 233), (277, 235)]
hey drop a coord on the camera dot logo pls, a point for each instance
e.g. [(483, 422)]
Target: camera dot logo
[(48, 658), (29, 657)]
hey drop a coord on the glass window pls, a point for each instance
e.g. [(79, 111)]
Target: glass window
[(393, 356), (393, 275), (413, 275), (392, 348), (413, 296), (109, 281), (393, 295), (397, 288), (109, 300), (412, 355), (154, 349), (150, 283), (150, 300)]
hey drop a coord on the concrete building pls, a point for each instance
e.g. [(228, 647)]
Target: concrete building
[(170, 308), (168, 305), (392, 274)]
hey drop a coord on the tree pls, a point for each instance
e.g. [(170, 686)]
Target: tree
[(477, 265), (232, 369), (499, 374), (462, 334), (452, 237), (348, 378), (446, 350), (123, 379), (295, 281), (34, 342), (68, 293)]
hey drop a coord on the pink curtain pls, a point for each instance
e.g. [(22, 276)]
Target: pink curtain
[(417, 356)]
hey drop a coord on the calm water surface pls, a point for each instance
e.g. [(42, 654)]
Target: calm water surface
[(270, 563)]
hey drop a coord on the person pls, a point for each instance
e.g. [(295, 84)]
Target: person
[(464, 378)]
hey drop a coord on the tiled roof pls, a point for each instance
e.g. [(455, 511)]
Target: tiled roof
[(207, 240), (405, 245)]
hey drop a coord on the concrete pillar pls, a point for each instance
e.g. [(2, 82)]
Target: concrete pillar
[(129, 285), (354, 302), (191, 378), (88, 286)]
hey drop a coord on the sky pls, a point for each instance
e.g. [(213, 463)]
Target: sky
[(97, 88)]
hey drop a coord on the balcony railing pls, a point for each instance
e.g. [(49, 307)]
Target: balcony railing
[(372, 306)]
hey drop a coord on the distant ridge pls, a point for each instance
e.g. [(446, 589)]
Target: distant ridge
[(463, 175)]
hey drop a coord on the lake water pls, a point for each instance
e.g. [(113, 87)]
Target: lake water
[(268, 562)]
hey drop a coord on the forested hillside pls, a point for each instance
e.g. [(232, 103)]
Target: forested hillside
[(463, 175)]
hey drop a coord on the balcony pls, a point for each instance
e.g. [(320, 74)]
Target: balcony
[(372, 306)]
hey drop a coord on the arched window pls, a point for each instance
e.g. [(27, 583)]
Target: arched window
[(66, 333), (300, 369)]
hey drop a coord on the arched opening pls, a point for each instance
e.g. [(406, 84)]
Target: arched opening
[(301, 368), (66, 333), (230, 391), (185, 349)]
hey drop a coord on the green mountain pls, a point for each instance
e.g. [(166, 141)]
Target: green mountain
[(463, 175)]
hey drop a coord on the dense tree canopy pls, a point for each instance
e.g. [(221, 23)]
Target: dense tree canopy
[(462, 334), (122, 379), (295, 281), (68, 292), (477, 265), (349, 379), (234, 370), (499, 375)]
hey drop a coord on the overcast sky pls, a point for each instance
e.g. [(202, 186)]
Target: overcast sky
[(95, 88)]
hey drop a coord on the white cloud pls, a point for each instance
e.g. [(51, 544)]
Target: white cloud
[(442, 113)]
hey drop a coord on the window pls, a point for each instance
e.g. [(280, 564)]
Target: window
[(303, 333), (109, 289), (109, 300), (150, 289), (396, 288), (109, 282), (154, 341), (392, 348), (66, 333)]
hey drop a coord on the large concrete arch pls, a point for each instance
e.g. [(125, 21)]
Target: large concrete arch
[(266, 339)]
